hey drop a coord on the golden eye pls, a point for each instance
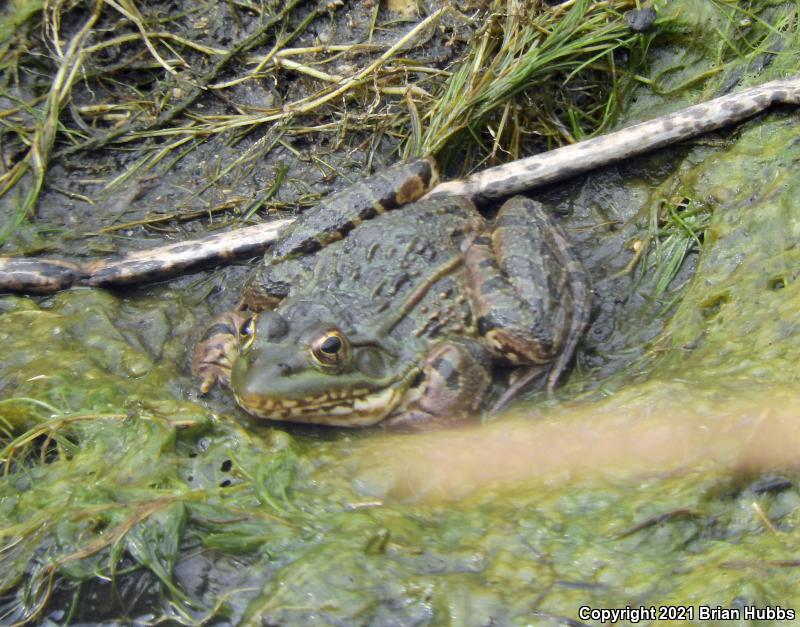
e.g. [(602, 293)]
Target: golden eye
[(247, 332), (330, 350)]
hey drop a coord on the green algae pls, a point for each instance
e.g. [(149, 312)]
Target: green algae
[(741, 311), (114, 470)]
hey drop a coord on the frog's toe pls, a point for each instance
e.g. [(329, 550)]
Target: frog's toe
[(521, 379), (207, 381)]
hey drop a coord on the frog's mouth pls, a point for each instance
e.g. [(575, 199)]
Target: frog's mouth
[(348, 401), (343, 408), (278, 381)]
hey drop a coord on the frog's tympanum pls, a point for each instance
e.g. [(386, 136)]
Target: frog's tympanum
[(361, 315)]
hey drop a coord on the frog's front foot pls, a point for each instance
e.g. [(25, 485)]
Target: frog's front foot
[(218, 348), (455, 379)]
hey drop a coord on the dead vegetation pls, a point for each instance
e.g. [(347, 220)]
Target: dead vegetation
[(99, 98)]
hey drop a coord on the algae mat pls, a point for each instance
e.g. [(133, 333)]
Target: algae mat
[(662, 476)]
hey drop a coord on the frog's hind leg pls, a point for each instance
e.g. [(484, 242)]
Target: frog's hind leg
[(530, 293), (579, 290), (341, 212)]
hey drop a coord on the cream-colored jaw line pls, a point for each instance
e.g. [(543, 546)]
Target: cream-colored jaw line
[(351, 411)]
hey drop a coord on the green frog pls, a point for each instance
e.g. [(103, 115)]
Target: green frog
[(361, 314)]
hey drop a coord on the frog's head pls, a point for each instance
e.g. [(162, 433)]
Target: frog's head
[(301, 367)]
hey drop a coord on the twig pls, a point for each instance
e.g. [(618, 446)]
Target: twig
[(569, 161)]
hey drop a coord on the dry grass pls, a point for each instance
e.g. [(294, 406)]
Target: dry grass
[(126, 80)]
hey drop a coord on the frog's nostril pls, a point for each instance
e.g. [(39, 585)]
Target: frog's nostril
[(284, 369)]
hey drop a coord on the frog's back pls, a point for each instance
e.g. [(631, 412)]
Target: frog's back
[(411, 254), (340, 213)]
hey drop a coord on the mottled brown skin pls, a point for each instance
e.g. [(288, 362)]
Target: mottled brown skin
[(332, 220), (400, 318), (508, 276)]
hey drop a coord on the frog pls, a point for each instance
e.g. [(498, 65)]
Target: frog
[(386, 306)]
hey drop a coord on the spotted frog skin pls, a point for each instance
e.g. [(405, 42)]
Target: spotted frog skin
[(360, 315)]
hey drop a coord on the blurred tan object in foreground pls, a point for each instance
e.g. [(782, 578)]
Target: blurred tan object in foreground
[(647, 429)]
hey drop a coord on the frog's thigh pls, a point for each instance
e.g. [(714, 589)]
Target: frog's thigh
[(456, 378), (527, 287), (339, 213)]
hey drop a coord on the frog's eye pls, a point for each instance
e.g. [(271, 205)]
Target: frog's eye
[(247, 331), (330, 350)]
